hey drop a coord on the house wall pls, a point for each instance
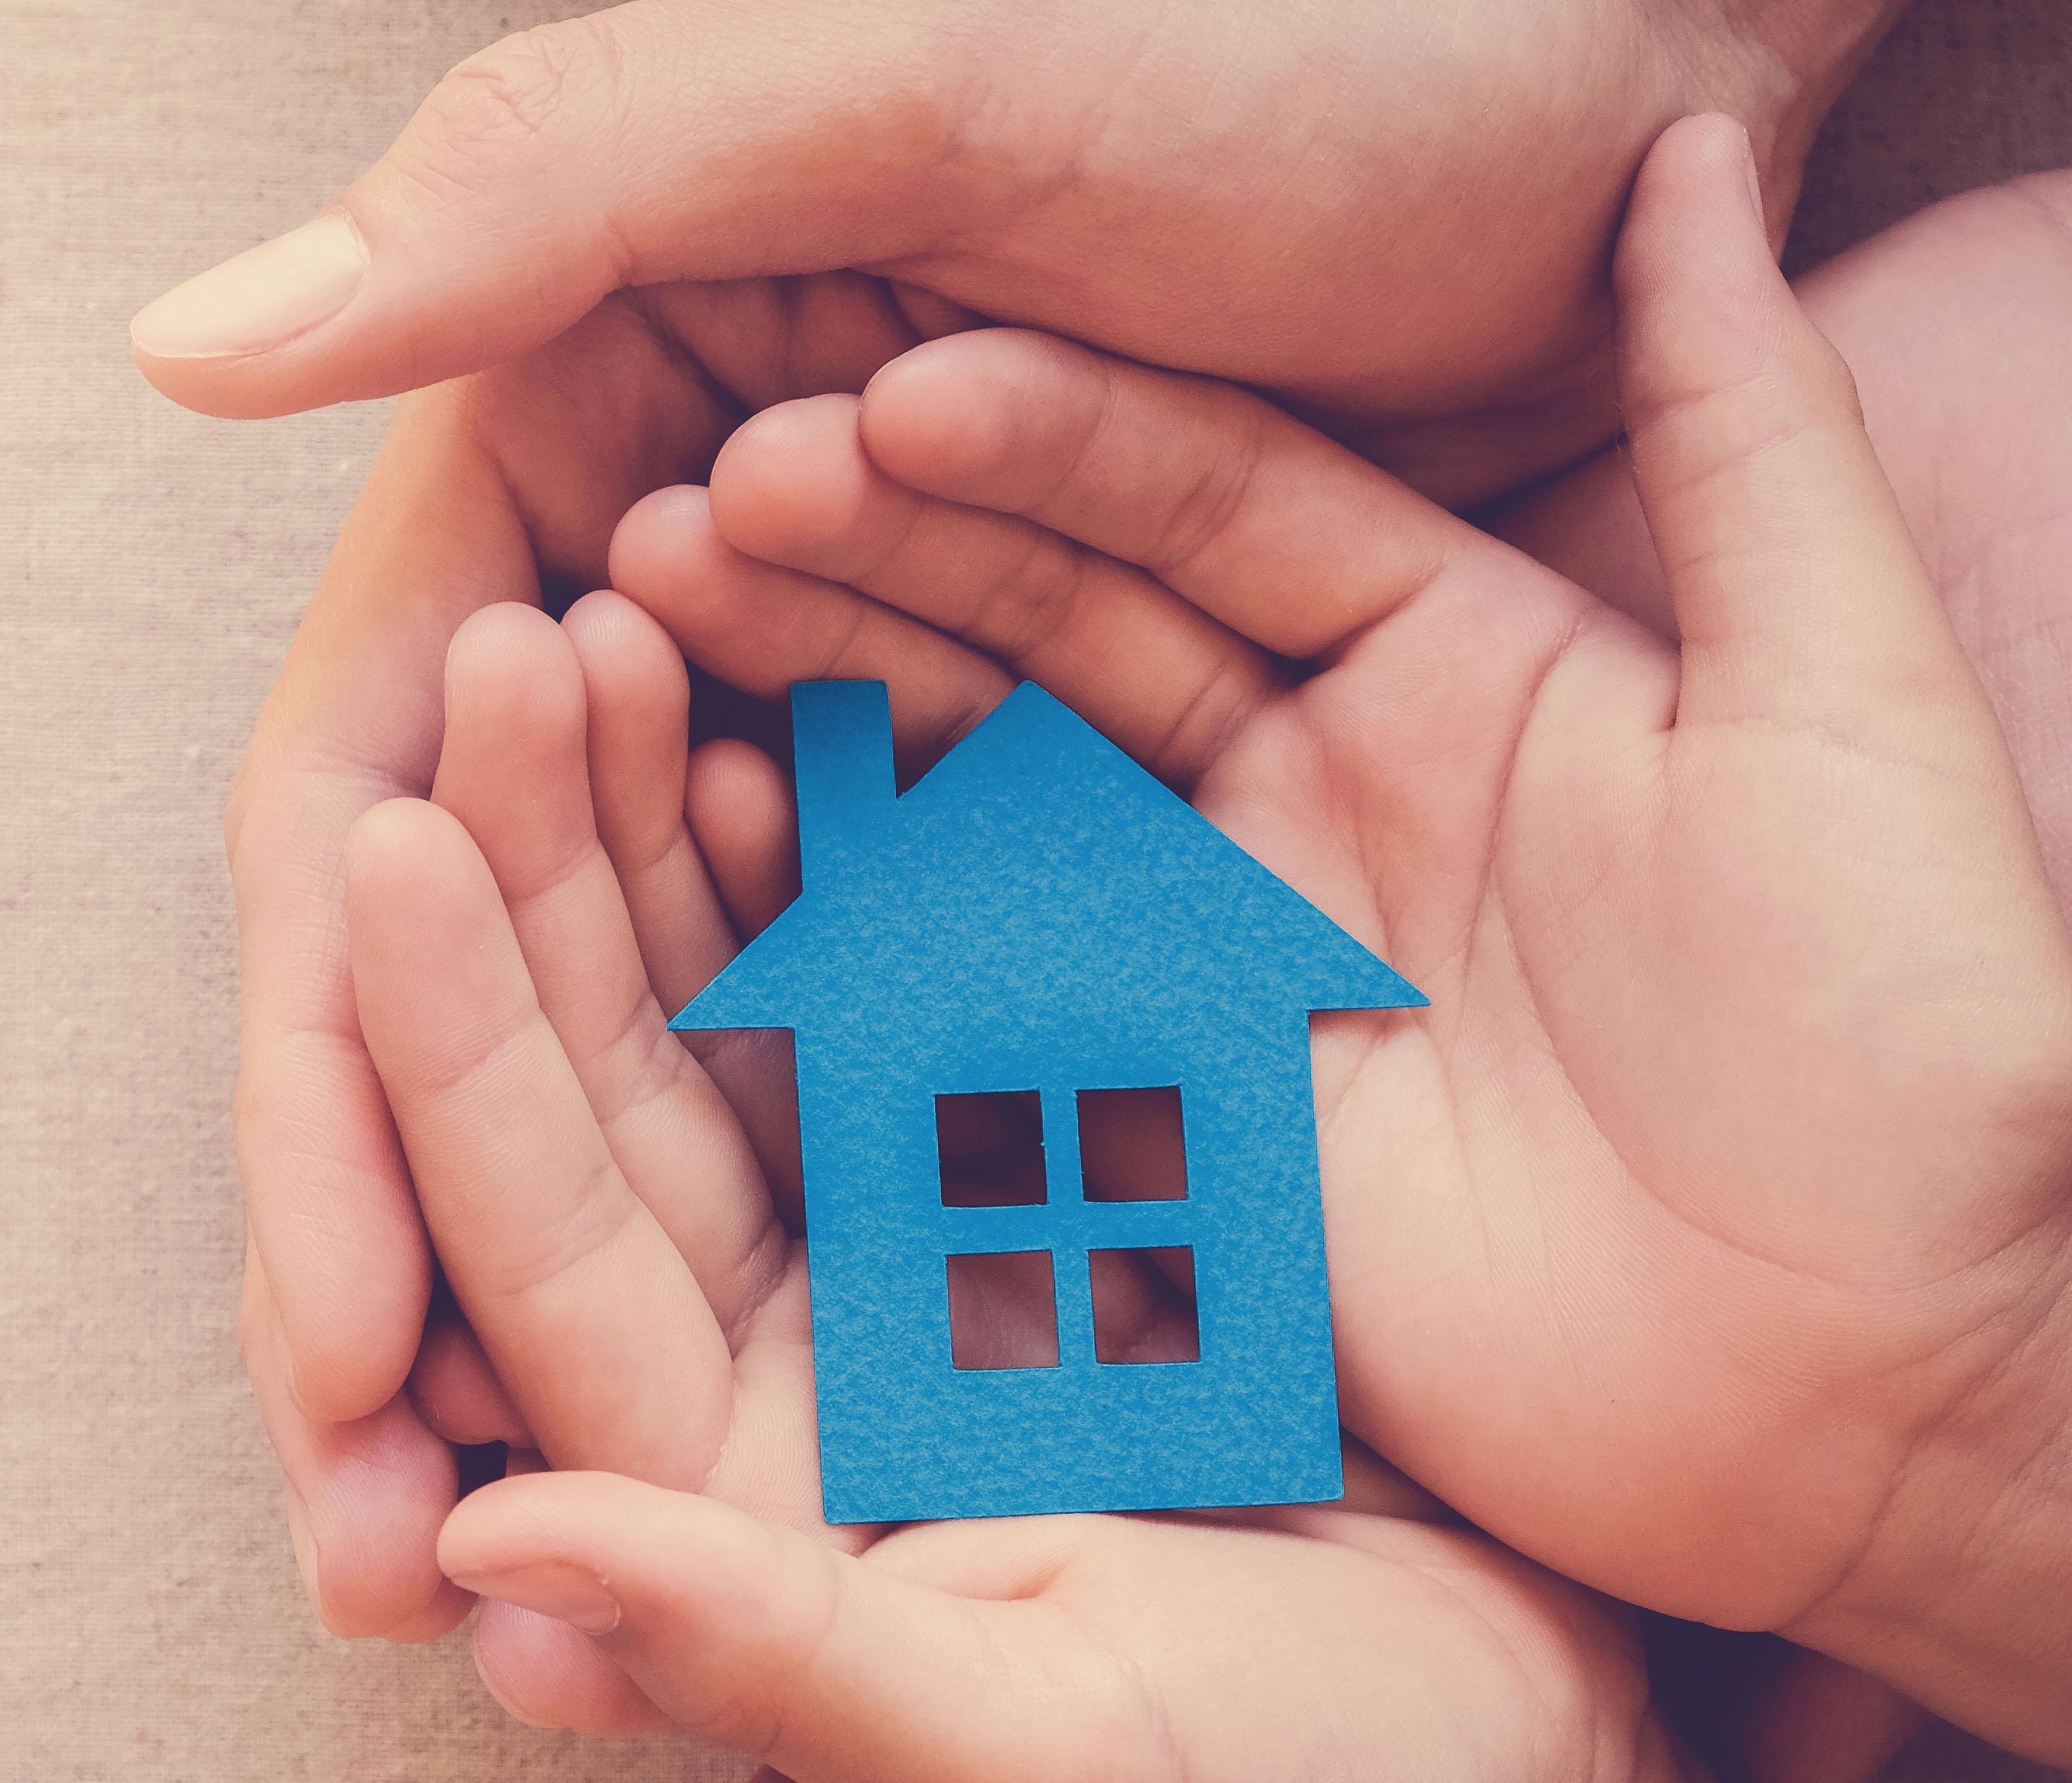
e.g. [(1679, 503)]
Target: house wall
[(906, 1434)]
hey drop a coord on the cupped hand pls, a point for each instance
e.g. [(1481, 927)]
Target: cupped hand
[(504, 486), (1393, 217), (623, 1258), (1706, 1239)]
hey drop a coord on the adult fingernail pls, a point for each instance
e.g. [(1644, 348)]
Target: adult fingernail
[(305, 1541), (263, 299), (550, 1587), (1753, 178)]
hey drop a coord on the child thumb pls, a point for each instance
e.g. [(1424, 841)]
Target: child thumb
[(1799, 597), (832, 1668)]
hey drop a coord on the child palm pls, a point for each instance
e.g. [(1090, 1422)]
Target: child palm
[(635, 1279), (1690, 1230)]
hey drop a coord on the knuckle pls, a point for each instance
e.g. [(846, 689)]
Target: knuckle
[(519, 92), (1034, 601), (527, 1263), (1210, 502), (639, 1065)]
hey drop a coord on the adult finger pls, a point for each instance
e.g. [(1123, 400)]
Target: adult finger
[(594, 1322), (548, 1674), (646, 143), (1169, 683), (1285, 537), (365, 1497), (455, 1387), (514, 771), (761, 627)]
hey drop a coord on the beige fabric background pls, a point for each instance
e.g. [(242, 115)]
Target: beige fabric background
[(152, 565)]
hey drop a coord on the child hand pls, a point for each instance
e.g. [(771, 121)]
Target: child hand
[(624, 1260), (1705, 1238)]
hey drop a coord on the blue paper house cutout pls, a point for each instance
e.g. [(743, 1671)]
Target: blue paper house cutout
[(1038, 912)]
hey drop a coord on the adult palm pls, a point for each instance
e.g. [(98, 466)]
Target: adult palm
[(1705, 1238)]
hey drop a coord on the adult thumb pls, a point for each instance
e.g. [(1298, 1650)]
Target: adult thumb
[(665, 139)]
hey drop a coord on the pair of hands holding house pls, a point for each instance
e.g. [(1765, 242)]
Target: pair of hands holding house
[(481, 493)]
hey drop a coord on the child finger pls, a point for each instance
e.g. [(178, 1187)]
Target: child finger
[(455, 1387), (637, 698), (514, 770), (1156, 672), (1285, 537), (761, 626), (769, 1641), (1799, 595), (738, 804), (590, 1317)]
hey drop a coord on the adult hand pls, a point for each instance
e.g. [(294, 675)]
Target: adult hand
[(1392, 215), (1706, 1239)]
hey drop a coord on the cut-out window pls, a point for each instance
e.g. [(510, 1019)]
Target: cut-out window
[(1132, 1146), (990, 1149), (1003, 1310), (1143, 1305)]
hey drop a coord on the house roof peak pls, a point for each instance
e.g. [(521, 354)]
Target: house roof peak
[(1036, 858)]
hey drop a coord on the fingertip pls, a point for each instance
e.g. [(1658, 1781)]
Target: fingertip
[(789, 477), (1702, 303), (929, 406), (336, 1373), (944, 408), (510, 673), (417, 888), (669, 556), (654, 535), (371, 1500), (730, 611), (632, 672), (396, 854), (737, 802), (456, 1390), (446, 1611)]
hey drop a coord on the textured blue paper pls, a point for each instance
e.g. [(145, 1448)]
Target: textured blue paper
[(1038, 912)]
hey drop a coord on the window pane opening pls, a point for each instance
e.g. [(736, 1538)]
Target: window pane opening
[(1131, 1145), (1143, 1305), (990, 1149), (1003, 1310)]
